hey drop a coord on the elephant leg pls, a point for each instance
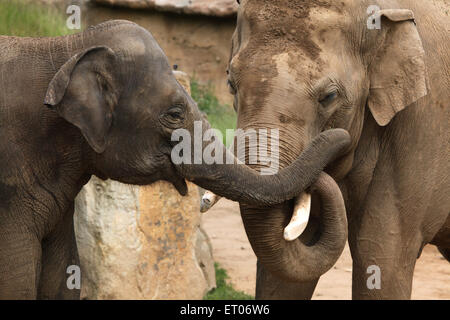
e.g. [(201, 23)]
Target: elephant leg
[(270, 287), (394, 271), (384, 247), (20, 262), (59, 251)]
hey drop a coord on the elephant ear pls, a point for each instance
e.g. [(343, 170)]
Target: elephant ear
[(398, 73), (84, 92)]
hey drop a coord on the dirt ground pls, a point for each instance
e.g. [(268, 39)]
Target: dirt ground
[(232, 250)]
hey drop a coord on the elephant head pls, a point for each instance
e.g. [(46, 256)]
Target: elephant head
[(121, 93), (308, 67)]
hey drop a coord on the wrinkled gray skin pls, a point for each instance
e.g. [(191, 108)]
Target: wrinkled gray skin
[(307, 66), (101, 102)]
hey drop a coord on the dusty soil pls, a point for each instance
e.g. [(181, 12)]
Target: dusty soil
[(232, 250)]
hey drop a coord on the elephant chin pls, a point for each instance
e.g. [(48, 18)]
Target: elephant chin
[(296, 260), (177, 181), (180, 185)]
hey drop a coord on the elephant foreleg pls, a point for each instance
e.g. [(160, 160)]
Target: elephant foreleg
[(59, 251), (20, 262), (384, 247), (270, 287), (383, 276)]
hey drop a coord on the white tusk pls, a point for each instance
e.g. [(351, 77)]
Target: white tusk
[(208, 200), (300, 218)]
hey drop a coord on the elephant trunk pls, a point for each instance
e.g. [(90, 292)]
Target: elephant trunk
[(296, 261), (240, 183)]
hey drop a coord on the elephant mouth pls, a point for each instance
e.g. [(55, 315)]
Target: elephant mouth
[(171, 175), (179, 183), (167, 173)]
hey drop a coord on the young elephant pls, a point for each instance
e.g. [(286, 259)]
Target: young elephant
[(102, 102)]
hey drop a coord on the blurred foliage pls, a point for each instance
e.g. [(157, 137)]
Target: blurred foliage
[(224, 290), (30, 19), (220, 116)]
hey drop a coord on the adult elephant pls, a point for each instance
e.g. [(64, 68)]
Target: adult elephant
[(101, 102), (307, 66)]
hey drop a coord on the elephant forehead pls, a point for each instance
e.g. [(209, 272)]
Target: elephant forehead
[(288, 25), (263, 10), (284, 70), (295, 67), (277, 87)]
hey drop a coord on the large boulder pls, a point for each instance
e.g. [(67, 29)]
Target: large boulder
[(218, 8), (142, 242)]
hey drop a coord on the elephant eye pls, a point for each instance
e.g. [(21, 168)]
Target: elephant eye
[(329, 98), (175, 113), (173, 117)]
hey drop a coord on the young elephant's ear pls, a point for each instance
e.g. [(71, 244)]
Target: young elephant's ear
[(398, 73), (84, 92)]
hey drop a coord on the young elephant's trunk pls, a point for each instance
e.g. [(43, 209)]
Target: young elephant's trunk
[(240, 183)]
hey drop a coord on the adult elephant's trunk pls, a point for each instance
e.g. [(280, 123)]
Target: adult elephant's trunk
[(296, 261), (240, 183)]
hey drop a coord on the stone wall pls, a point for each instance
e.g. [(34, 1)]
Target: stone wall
[(142, 242), (218, 8)]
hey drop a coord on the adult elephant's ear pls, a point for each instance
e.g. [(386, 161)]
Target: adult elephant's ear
[(84, 92), (398, 72)]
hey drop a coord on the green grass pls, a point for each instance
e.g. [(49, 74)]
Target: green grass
[(28, 19), (220, 116), (224, 290)]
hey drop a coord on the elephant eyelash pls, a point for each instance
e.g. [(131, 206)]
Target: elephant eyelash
[(328, 98), (328, 91), (173, 118), (176, 112), (322, 88)]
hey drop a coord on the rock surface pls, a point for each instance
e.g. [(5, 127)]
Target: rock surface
[(142, 242), (218, 8)]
